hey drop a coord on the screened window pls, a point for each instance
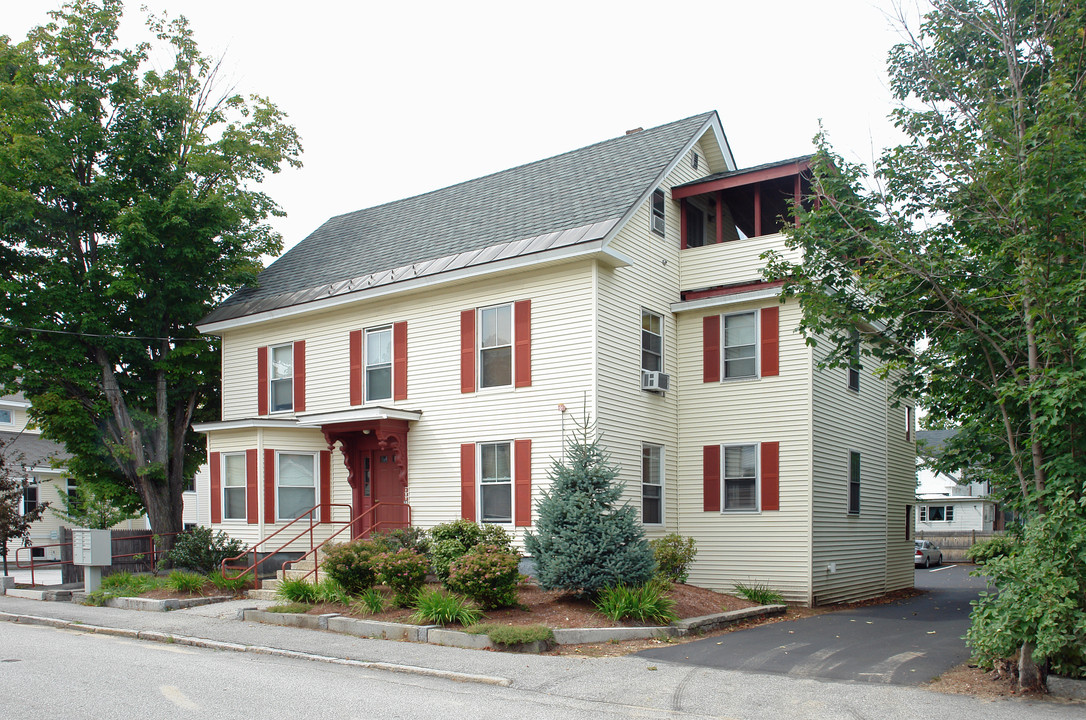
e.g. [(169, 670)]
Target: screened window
[(652, 484), (233, 486), (658, 212), (854, 482), (740, 477), (378, 364), (496, 483), (297, 490), (652, 341), (496, 346), (282, 378), (740, 345)]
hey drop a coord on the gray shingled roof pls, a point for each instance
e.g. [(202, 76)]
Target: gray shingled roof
[(577, 189), (931, 442), (30, 449)]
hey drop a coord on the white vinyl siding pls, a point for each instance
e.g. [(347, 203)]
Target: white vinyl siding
[(730, 263)]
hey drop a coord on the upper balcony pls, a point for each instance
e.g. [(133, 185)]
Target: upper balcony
[(729, 219)]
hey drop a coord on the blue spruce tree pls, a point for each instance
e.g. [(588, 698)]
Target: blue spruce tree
[(583, 540)]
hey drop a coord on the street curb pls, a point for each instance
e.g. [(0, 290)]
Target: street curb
[(161, 637), (152, 605)]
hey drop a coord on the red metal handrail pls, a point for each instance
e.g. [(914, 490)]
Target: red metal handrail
[(368, 531), (309, 514), (153, 554)]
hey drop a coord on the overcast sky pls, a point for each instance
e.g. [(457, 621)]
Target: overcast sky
[(395, 99)]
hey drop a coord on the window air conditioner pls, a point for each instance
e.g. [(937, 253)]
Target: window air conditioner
[(655, 381)]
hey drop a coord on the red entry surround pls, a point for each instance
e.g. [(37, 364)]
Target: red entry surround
[(375, 454)]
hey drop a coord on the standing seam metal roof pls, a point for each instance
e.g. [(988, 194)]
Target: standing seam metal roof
[(572, 191)]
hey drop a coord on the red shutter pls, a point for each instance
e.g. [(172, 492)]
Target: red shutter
[(522, 343), (467, 481), (216, 488), (467, 351), (299, 376), (710, 349), (770, 341), (326, 486), (355, 381), (771, 476), (269, 486), (252, 512), (522, 479), (711, 478), (399, 361), (262, 380)]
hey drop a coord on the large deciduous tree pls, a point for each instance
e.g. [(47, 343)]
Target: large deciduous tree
[(128, 207), (965, 270)]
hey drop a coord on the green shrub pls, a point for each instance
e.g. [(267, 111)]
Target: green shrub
[(297, 591), (202, 550), (370, 602), (185, 581), (513, 634), (759, 593), (226, 583), (648, 602), (352, 564), (404, 571), (450, 541), (487, 574), (329, 591), (300, 608), (995, 547), (439, 608), (409, 538), (673, 554)]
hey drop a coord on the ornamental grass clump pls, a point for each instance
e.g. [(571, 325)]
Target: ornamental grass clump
[(434, 606), (404, 572), (488, 574), (370, 602), (759, 593), (297, 591), (648, 602), (186, 582), (226, 583)]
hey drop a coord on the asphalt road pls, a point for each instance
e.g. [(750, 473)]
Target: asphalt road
[(907, 642)]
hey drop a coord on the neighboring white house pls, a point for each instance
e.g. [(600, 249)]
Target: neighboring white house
[(433, 350), (42, 462), (956, 506)]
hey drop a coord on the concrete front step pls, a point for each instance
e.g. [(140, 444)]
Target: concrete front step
[(263, 594)]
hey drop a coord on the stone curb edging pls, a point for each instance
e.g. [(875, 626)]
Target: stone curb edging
[(162, 637), (152, 605), (436, 635)]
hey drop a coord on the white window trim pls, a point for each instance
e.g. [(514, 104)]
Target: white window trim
[(662, 485), (757, 479), (927, 513), (662, 232), (757, 347), (641, 340), (365, 364), (316, 483), (848, 484), (223, 486), (271, 380), (479, 347), (31, 482), (512, 481)]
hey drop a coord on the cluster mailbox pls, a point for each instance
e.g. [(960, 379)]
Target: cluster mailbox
[(93, 549)]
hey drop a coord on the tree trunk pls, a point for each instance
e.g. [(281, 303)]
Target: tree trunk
[(164, 511), (1030, 675)]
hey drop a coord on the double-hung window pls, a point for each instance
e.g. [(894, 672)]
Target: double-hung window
[(282, 377), (30, 498), (496, 346), (378, 363), (652, 342), (5, 417), (496, 482), (233, 486), (740, 345), (297, 488), (652, 484), (741, 477), (853, 482), (657, 222), (854, 362)]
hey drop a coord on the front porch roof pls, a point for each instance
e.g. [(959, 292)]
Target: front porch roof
[(355, 415)]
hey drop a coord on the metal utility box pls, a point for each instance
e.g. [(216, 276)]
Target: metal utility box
[(92, 547)]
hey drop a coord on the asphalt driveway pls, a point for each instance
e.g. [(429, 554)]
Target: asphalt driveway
[(906, 642)]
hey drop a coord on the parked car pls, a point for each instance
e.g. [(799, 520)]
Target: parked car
[(927, 554)]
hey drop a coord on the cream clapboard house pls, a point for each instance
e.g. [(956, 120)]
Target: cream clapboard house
[(420, 361)]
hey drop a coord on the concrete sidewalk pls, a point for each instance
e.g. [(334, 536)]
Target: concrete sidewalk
[(632, 681)]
